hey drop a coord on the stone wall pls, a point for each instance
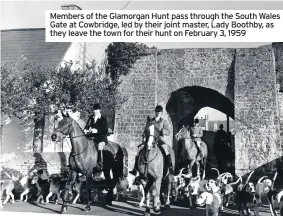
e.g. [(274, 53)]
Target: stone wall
[(139, 87), (246, 77), (256, 117), (53, 162)]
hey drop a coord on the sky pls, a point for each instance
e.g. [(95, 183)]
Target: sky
[(31, 14)]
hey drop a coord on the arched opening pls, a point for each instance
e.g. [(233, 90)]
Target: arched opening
[(186, 104)]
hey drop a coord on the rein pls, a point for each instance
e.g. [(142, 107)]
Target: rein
[(72, 154)]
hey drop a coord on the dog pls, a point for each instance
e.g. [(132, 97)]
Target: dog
[(228, 192), (8, 186), (212, 202), (25, 183), (224, 178), (57, 185), (78, 187), (246, 197), (125, 185), (264, 186), (179, 184), (42, 184), (275, 198)]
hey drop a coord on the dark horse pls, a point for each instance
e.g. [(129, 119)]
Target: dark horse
[(83, 159), (153, 173), (190, 153)]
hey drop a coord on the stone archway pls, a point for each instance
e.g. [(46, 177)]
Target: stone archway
[(185, 103), (246, 77)]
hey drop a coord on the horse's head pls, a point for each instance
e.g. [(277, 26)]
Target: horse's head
[(182, 133), (151, 134), (64, 128)]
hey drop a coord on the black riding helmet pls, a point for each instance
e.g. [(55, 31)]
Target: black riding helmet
[(158, 108)]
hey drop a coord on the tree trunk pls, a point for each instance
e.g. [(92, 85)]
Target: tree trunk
[(39, 123)]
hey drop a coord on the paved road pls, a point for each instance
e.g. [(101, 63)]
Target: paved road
[(129, 207)]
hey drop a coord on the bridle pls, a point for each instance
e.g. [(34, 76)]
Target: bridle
[(63, 132)]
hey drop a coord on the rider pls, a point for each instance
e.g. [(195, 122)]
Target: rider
[(163, 127), (97, 127), (221, 135), (196, 133)]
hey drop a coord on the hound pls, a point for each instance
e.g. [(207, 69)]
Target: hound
[(212, 202), (8, 186)]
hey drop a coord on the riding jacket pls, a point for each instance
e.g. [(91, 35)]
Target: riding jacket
[(100, 125), (197, 130), (163, 128)]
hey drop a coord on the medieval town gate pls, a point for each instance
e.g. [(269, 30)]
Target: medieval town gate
[(238, 82)]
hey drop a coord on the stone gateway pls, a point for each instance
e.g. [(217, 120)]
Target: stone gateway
[(238, 82)]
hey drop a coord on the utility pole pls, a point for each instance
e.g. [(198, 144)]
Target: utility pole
[(83, 47)]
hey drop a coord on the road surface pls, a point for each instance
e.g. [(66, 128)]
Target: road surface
[(129, 207)]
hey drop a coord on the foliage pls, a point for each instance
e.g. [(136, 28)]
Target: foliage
[(121, 57), (23, 89), (29, 88)]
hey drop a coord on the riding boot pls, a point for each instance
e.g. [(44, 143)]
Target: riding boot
[(135, 170), (170, 165), (100, 160)]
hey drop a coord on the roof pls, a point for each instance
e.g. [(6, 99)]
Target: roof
[(31, 44)]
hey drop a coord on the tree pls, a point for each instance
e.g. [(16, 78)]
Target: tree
[(31, 91), (121, 57), (24, 95)]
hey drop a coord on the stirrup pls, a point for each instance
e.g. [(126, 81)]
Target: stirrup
[(99, 166), (134, 172)]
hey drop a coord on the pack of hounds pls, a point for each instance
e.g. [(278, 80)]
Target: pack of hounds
[(214, 194)]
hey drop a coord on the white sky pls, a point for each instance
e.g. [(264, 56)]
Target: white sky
[(31, 14)]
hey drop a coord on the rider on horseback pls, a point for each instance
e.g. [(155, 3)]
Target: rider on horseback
[(196, 133), (97, 128), (163, 128)]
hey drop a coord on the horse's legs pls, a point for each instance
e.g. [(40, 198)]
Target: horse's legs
[(203, 167), (167, 191), (147, 185), (88, 187), (68, 187), (156, 194), (198, 168), (110, 186), (190, 166)]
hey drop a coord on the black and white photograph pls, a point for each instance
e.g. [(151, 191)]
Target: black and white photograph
[(138, 128)]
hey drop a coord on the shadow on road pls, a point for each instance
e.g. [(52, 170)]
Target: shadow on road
[(43, 207), (123, 210)]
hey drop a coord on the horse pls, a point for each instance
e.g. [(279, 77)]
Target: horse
[(153, 170), (189, 154), (83, 159)]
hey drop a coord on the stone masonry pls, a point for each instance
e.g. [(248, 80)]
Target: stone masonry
[(243, 77)]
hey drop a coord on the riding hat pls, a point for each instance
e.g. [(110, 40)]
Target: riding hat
[(96, 107), (158, 108)]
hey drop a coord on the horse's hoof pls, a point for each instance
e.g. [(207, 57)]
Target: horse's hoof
[(63, 209), (87, 209), (156, 209), (147, 212), (167, 206)]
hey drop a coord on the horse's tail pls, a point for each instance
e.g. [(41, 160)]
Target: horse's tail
[(125, 161), (121, 166)]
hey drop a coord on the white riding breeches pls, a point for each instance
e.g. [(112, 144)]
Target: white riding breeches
[(101, 146)]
